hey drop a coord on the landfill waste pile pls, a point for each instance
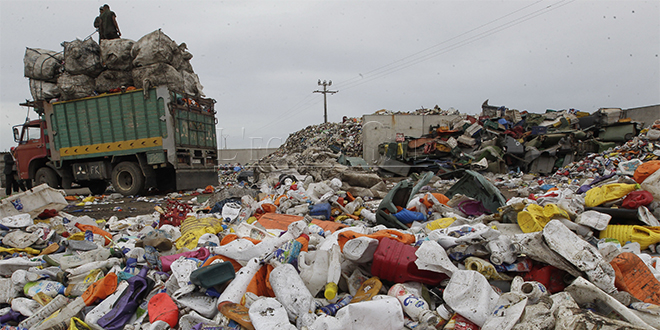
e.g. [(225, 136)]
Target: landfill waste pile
[(502, 140), (319, 243), (85, 68), (344, 137)]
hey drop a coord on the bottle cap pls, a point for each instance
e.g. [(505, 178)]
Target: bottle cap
[(428, 317), (330, 290), (443, 312)]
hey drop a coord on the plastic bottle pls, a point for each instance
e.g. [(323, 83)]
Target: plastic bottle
[(331, 309), (368, 215), (334, 273), (237, 287), (502, 250), (61, 321), (382, 312), (290, 290), (594, 219), (94, 265), (313, 267), (609, 192), (367, 290), (54, 305), (416, 307), (360, 249), (237, 313), (645, 236), (289, 251), (268, 313), (50, 288)]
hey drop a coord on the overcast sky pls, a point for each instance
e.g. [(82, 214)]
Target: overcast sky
[(261, 60)]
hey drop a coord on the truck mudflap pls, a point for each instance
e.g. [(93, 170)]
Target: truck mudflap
[(195, 178)]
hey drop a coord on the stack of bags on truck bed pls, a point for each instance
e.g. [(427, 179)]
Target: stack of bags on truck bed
[(86, 68)]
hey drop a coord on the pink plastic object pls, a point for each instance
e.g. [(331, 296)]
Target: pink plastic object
[(201, 254), (395, 261)]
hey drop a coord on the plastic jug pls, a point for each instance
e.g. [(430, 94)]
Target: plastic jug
[(268, 313), (439, 223), (609, 192), (214, 274), (290, 290), (594, 219), (643, 235), (313, 267), (532, 219), (382, 312), (367, 290), (395, 261), (652, 184), (360, 249)]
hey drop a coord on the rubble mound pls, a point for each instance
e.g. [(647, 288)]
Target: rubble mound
[(344, 137)]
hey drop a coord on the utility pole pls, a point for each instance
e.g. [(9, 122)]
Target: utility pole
[(325, 91)]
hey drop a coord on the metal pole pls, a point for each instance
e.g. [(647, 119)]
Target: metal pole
[(325, 92)]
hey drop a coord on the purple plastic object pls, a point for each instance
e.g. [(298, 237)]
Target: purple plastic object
[(12, 315), (472, 207), (584, 189), (201, 254), (128, 302)]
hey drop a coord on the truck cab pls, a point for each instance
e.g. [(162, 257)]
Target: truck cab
[(31, 153)]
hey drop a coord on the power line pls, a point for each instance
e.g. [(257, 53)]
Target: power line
[(325, 92), (457, 44)]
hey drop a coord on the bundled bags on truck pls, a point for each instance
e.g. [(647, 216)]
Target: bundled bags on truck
[(43, 90), (42, 64), (156, 75), (116, 54), (157, 47), (191, 83), (112, 79), (82, 57), (75, 86)]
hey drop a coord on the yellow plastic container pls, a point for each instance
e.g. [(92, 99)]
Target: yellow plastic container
[(609, 192), (440, 223), (532, 219), (643, 235), (485, 268), (552, 211)]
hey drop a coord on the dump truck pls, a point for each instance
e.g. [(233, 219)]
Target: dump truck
[(136, 140)]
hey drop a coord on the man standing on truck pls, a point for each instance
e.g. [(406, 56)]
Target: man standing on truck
[(97, 24), (108, 27)]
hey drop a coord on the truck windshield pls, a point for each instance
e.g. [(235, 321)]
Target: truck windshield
[(30, 133)]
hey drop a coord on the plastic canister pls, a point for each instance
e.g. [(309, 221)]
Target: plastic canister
[(50, 288), (532, 218), (367, 290), (395, 261), (268, 313), (469, 294), (652, 184), (162, 308), (440, 223), (609, 192), (645, 236), (237, 288), (313, 267), (360, 249), (594, 219), (214, 274), (321, 211), (416, 307), (382, 312), (290, 290)]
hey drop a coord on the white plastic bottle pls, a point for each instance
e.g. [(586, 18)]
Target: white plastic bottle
[(268, 313), (334, 274), (416, 307), (44, 312), (238, 286), (62, 319), (290, 290), (94, 265), (360, 249)]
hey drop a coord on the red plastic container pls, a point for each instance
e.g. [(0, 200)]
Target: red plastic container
[(395, 262), (551, 277)]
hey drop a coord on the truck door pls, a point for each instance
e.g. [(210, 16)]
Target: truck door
[(31, 146)]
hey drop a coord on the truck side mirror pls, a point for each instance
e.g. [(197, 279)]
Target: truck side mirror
[(16, 136)]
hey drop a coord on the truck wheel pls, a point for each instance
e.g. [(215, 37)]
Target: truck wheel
[(127, 178), (46, 175), (97, 187)]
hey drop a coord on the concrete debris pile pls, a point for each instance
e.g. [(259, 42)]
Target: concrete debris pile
[(297, 252), (85, 68), (502, 140), (344, 137)]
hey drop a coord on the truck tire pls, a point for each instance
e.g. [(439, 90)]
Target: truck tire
[(127, 178), (97, 187), (46, 175)]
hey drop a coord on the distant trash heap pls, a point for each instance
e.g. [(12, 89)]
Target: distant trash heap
[(84, 68)]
